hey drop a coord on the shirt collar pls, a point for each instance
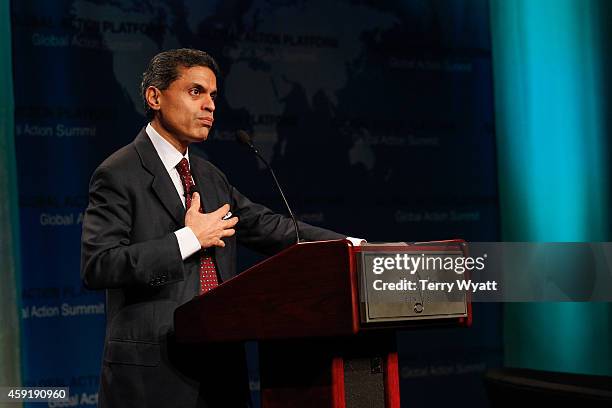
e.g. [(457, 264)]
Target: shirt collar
[(168, 154)]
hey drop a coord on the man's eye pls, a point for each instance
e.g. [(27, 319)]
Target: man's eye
[(194, 91)]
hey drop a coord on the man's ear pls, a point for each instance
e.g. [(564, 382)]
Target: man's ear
[(153, 96)]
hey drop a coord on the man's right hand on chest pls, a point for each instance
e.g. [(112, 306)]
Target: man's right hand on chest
[(209, 228)]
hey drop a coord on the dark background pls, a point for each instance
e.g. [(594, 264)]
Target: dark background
[(377, 116)]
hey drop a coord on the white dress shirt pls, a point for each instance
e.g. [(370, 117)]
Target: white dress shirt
[(170, 157)]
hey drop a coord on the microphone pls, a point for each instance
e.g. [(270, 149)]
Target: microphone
[(244, 138)]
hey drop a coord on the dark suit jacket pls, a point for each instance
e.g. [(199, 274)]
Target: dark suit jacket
[(130, 249)]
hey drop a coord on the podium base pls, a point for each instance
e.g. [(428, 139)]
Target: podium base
[(356, 372)]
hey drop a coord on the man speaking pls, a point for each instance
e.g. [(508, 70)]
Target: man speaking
[(161, 227)]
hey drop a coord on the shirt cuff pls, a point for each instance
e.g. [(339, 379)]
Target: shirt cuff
[(188, 242), (357, 241)]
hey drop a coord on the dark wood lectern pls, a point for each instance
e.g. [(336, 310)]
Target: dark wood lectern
[(305, 307)]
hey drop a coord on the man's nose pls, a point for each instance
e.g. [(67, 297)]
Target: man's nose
[(209, 104)]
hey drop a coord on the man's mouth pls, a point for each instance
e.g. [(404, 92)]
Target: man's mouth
[(206, 121)]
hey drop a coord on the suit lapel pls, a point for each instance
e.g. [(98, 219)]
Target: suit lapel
[(162, 185)]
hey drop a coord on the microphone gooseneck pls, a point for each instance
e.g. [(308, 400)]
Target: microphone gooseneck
[(244, 138)]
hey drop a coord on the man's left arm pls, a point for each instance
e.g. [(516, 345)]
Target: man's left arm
[(268, 232)]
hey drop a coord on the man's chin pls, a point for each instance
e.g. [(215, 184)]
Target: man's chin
[(200, 137)]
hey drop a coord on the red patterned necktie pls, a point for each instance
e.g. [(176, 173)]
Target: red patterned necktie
[(208, 272)]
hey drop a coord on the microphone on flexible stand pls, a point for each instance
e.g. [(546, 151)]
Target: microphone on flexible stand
[(244, 138)]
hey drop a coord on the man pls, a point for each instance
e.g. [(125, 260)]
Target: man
[(154, 243)]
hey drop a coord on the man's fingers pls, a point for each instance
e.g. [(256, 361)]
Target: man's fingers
[(212, 228), (228, 232), (231, 222), (221, 211), (195, 203)]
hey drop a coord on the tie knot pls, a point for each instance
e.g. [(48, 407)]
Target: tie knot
[(183, 168)]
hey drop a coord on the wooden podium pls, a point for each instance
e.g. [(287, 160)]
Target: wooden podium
[(306, 307)]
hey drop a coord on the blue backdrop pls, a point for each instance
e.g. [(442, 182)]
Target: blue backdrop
[(377, 117)]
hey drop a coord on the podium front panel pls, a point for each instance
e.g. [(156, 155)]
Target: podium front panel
[(397, 285)]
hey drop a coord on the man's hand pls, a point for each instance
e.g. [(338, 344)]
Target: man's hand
[(210, 228)]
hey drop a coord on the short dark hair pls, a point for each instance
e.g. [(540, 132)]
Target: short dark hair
[(162, 70)]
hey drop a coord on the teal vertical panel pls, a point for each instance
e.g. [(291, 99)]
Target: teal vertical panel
[(10, 367), (552, 170)]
